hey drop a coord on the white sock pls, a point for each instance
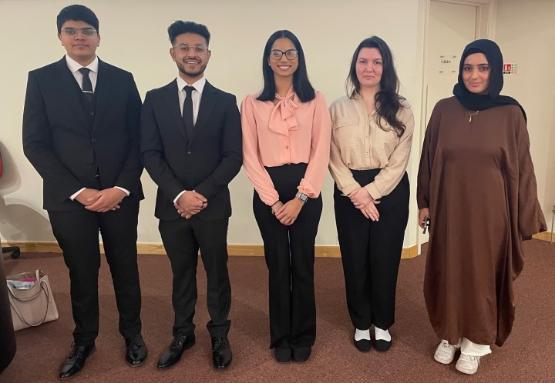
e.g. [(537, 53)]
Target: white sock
[(362, 334), (382, 334)]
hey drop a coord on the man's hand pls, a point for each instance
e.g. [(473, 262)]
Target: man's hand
[(87, 196), (190, 203), (108, 199), (288, 213)]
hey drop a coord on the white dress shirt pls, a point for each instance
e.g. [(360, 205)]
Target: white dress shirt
[(74, 67), (196, 95)]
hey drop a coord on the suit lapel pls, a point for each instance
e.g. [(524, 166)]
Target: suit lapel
[(70, 92), (101, 92), (171, 101), (207, 102)]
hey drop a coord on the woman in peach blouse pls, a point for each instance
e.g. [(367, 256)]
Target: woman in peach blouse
[(286, 143), (371, 141)]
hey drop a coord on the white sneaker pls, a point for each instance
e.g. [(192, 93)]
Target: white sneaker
[(468, 364), (445, 352)]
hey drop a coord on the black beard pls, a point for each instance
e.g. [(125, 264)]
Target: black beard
[(191, 74)]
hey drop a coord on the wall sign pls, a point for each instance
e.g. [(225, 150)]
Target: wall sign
[(510, 68)]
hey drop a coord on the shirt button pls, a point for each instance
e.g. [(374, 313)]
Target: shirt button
[(188, 152), (93, 140), (286, 147)]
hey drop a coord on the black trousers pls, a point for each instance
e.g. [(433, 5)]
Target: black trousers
[(371, 252), (77, 235), (182, 240), (289, 253)]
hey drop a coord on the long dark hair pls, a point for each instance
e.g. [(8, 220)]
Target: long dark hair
[(301, 85), (388, 100)]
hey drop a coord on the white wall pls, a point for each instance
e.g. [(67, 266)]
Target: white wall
[(525, 32), (134, 37)]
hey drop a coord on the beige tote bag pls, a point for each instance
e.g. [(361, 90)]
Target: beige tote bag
[(31, 299)]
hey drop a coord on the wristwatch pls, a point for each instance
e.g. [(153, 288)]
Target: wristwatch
[(303, 197)]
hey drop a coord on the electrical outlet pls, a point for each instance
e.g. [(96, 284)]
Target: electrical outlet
[(553, 210)]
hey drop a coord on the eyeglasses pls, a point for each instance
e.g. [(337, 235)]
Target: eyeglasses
[(198, 49), (277, 54), (88, 32)]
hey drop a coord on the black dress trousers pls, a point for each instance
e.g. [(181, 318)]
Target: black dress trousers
[(289, 253), (371, 252), (182, 240), (77, 235)]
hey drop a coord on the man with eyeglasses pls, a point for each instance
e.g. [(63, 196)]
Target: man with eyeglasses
[(191, 147), (81, 133)]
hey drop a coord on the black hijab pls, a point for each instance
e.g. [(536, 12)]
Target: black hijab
[(473, 101)]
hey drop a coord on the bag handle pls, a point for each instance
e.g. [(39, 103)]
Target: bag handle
[(44, 287), (11, 289)]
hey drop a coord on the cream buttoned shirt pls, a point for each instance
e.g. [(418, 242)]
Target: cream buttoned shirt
[(359, 143)]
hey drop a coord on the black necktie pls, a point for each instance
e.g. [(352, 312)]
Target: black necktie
[(87, 90), (188, 112)]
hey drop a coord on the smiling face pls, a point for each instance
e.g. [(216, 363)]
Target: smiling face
[(475, 73), (191, 55), (369, 67), (287, 64), (80, 41)]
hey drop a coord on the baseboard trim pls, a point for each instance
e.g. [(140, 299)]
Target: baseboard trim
[(545, 236), (322, 251)]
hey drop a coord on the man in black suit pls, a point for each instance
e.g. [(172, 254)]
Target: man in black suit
[(191, 147), (81, 133)]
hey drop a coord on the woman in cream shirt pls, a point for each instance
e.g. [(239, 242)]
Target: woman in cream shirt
[(371, 140)]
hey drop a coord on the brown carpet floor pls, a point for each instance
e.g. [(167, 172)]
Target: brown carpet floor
[(528, 355)]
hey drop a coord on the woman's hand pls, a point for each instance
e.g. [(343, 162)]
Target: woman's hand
[(360, 197), (363, 201), (276, 207), (287, 214), (422, 215), (370, 211)]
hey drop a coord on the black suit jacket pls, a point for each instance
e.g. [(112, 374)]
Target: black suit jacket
[(68, 148), (206, 162)]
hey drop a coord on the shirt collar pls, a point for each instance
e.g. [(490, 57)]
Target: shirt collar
[(358, 99), (198, 85), (74, 66)]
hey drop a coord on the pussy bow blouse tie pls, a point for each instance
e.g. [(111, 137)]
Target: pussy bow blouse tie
[(282, 118)]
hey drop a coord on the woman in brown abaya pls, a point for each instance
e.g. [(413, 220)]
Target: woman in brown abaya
[(476, 183)]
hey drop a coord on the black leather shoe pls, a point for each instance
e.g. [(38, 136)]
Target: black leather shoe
[(282, 354), (173, 353), (382, 345), (301, 354), (363, 345), (221, 352), (75, 361), (136, 351)]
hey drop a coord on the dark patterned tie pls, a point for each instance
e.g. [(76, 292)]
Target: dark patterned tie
[(87, 89), (188, 112)]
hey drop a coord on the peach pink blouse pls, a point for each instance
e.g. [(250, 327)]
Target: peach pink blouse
[(286, 132)]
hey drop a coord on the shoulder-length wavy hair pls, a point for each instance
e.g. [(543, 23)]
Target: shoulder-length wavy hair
[(388, 100), (301, 84)]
